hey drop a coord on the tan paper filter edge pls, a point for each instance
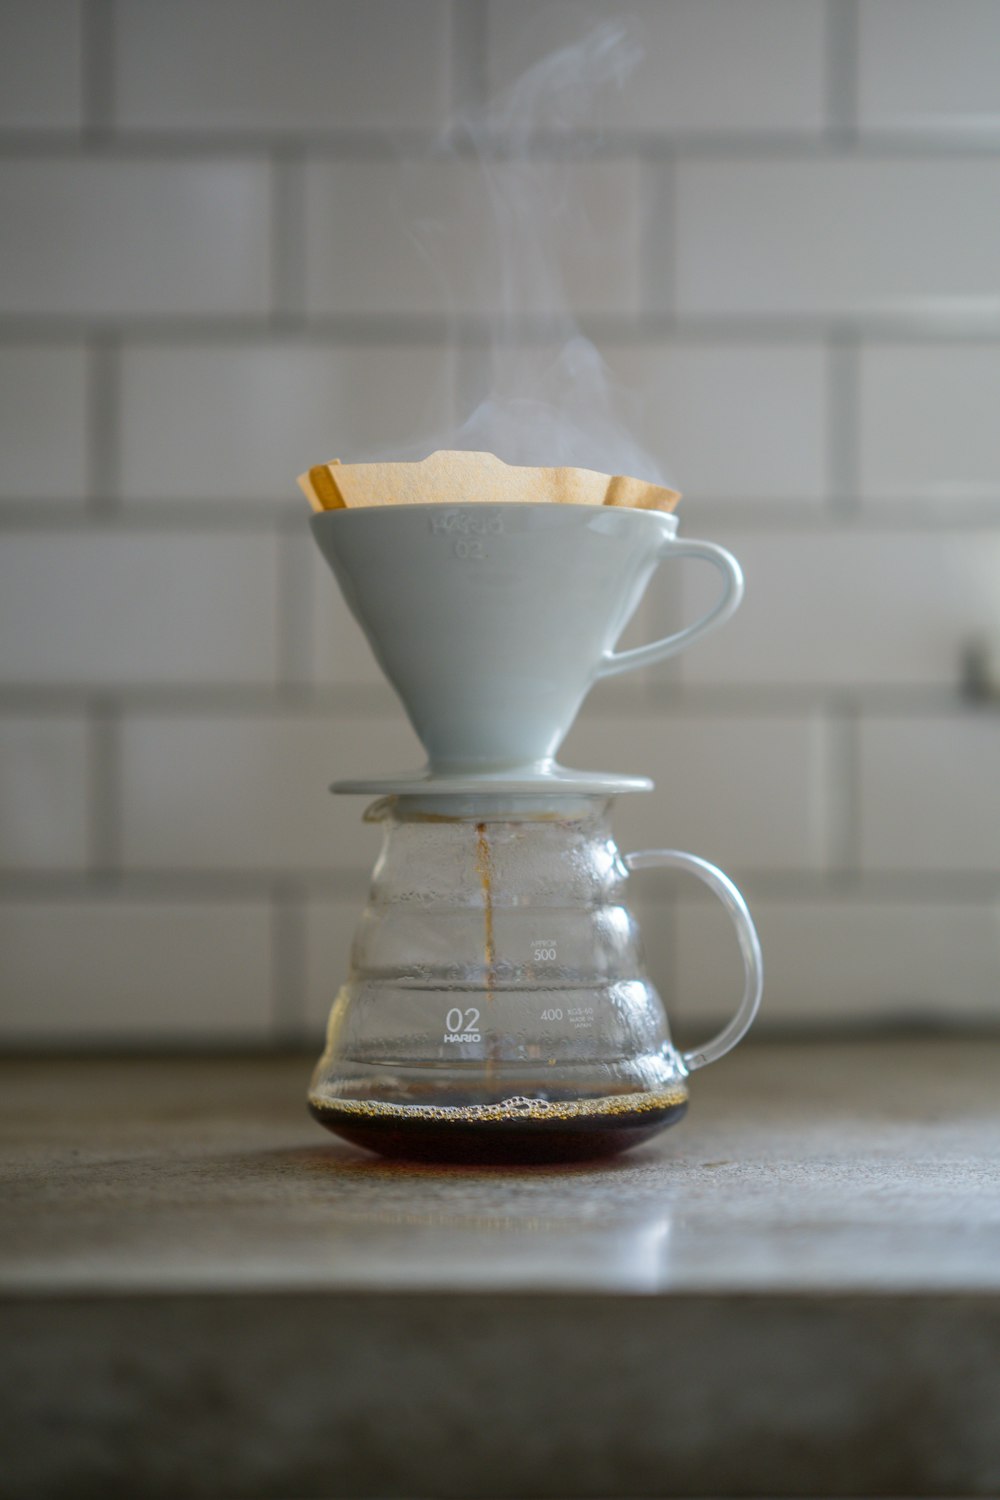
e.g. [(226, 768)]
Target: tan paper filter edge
[(453, 477)]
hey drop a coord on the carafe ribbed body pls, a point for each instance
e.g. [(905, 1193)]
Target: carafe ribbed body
[(497, 1004)]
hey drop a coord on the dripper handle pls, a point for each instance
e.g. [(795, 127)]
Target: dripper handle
[(725, 606), (746, 933)]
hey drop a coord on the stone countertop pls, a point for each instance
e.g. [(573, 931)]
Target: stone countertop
[(796, 1290), (829, 1166)]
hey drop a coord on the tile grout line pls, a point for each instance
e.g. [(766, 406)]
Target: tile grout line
[(295, 649), (351, 884), (840, 137), (103, 424), (104, 750), (375, 702), (337, 884), (904, 516), (657, 259), (843, 793), (843, 423), (471, 377), (288, 961), (441, 329), (469, 56), (97, 66), (842, 22), (288, 237), (854, 791)]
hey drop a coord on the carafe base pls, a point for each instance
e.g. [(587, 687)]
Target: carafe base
[(506, 1136)]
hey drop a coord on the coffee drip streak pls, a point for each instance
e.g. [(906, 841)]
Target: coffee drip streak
[(484, 867)]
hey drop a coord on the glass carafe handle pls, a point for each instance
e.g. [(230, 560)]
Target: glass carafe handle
[(746, 933)]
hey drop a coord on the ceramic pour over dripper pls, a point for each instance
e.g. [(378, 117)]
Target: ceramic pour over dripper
[(492, 620)]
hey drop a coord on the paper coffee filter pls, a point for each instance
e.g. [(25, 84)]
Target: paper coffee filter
[(451, 477)]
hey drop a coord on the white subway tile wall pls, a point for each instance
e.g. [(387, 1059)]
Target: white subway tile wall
[(831, 237), (744, 791), (928, 793), (849, 607), (836, 958), (316, 65), (111, 236), (108, 970), (928, 67), (43, 422), (138, 607), (765, 389), (46, 770), (928, 422), (708, 66), (409, 237), (248, 792), (238, 238), (238, 423)]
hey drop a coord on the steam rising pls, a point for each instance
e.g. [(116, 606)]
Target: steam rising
[(554, 402)]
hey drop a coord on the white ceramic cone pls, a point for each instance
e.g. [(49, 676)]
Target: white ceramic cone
[(493, 622)]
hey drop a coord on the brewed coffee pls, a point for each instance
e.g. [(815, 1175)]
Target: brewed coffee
[(517, 1130)]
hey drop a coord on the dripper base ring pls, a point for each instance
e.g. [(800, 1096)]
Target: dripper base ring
[(525, 781)]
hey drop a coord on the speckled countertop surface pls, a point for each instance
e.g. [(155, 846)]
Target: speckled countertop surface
[(828, 1165), (795, 1291)]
